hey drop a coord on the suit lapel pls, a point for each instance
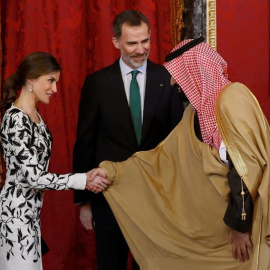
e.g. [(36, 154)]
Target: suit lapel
[(153, 91)]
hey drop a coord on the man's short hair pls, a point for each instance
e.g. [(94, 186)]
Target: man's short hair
[(130, 17)]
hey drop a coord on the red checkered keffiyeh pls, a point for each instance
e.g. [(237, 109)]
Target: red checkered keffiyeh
[(201, 73)]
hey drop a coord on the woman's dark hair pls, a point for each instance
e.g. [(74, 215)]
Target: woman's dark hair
[(130, 17), (32, 66)]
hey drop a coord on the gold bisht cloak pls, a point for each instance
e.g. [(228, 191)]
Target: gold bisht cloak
[(170, 201)]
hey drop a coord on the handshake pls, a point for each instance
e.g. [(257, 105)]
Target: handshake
[(97, 181)]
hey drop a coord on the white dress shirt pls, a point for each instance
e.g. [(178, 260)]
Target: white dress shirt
[(141, 78), (223, 152)]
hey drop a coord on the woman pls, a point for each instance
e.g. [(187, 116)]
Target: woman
[(26, 143)]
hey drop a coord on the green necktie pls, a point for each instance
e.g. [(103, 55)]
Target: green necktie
[(135, 105)]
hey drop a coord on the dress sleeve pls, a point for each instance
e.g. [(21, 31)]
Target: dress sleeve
[(22, 157)]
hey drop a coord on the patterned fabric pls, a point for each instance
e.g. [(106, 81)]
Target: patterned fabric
[(201, 73), (27, 149)]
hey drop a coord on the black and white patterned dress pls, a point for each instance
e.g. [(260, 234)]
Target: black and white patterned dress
[(26, 148)]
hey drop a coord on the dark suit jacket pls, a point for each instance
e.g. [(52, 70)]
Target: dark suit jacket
[(105, 130)]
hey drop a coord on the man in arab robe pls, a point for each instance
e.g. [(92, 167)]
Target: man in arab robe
[(200, 199)]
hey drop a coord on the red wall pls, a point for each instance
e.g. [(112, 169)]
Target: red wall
[(243, 41)]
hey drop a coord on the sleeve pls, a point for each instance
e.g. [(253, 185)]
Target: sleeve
[(232, 217), (84, 148), (22, 158), (243, 128)]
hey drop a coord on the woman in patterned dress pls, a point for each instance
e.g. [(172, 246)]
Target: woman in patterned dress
[(26, 143)]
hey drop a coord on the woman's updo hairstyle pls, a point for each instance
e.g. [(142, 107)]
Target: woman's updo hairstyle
[(32, 66)]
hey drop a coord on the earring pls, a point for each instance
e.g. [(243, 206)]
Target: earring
[(31, 88)]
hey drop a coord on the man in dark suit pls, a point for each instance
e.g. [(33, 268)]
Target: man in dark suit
[(108, 130)]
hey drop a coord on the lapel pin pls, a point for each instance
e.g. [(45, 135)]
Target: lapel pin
[(161, 84)]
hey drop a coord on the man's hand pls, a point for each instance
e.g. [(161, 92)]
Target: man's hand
[(98, 172), (97, 180), (86, 216), (241, 243)]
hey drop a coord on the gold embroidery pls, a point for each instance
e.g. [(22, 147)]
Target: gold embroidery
[(211, 24), (244, 214), (259, 243)]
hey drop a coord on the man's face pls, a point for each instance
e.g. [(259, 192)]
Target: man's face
[(173, 82), (180, 91), (134, 44)]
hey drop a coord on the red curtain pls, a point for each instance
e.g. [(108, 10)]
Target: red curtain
[(78, 33), (245, 44), (1, 70)]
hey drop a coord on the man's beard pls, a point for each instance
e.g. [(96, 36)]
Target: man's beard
[(181, 93), (129, 59)]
